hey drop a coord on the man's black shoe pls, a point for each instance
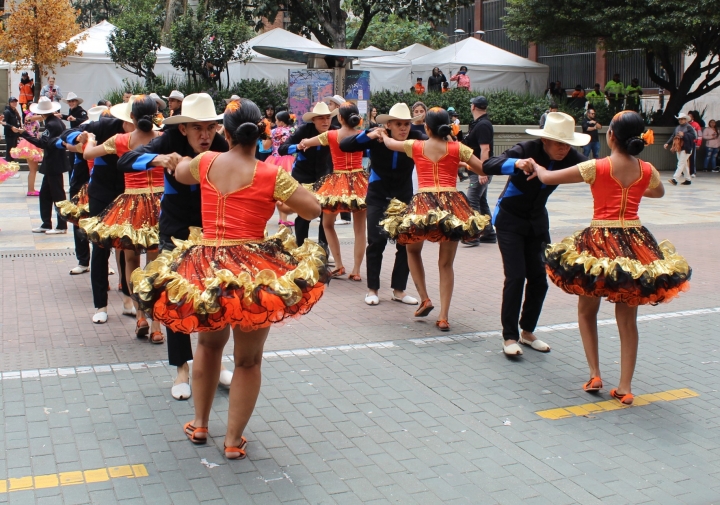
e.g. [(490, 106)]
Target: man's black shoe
[(686, 183), (488, 240), (471, 243)]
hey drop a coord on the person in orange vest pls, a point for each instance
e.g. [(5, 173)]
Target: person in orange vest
[(27, 90), (419, 88)]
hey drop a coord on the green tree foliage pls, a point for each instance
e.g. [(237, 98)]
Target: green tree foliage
[(327, 19), (94, 11), (391, 33), (662, 28), (205, 41), (133, 44)]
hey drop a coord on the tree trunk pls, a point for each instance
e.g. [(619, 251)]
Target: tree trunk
[(38, 81), (168, 16), (366, 19)]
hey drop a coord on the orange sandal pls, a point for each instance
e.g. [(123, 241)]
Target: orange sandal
[(191, 432), (142, 328), (443, 324), (154, 337), (593, 385), (337, 273), (625, 399), (355, 277), (424, 309), (236, 452)]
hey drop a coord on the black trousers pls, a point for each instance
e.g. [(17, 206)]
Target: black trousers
[(11, 140), (82, 247), (52, 190), (99, 264), (178, 344), (524, 269), (302, 228), (374, 252)]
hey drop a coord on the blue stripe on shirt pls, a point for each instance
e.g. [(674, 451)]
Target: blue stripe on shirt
[(373, 176), (509, 191), (508, 167), (363, 138), (395, 159), (143, 161), (292, 149)]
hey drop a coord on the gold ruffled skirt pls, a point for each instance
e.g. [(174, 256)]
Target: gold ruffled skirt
[(251, 285), (342, 191), (624, 265), (129, 222), (75, 209), (434, 216)]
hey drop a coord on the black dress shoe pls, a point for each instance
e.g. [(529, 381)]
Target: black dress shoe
[(686, 183), (471, 243), (488, 240)]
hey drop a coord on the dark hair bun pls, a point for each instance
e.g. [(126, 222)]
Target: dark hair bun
[(246, 134), (444, 130), (354, 120), (145, 123), (634, 146)]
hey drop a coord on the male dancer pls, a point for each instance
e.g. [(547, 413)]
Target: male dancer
[(522, 225), (196, 133)]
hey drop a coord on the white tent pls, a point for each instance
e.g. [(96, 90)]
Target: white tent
[(414, 51), (393, 73), (265, 67), (93, 74), (489, 67), (709, 103)]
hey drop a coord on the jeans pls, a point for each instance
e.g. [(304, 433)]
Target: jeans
[(711, 154), (477, 197), (594, 147), (691, 160), (683, 166)]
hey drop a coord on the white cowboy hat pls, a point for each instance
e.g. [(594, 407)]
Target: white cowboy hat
[(162, 105), (44, 106), (195, 108), (399, 111), (176, 95), (320, 109), (682, 115), (233, 98), (94, 113), (124, 111), (335, 98), (72, 96), (561, 128)]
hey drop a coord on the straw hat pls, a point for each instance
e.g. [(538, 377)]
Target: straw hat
[(561, 128), (162, 105), (44, 106), (195, 108), (123, 110), (176, 95), (94, 113), (399, 111), (335, 98), (320, 109), (233, 98), (682, 115), (72, 96)]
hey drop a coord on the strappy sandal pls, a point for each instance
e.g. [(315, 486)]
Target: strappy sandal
[(443, 324), (142, 328), (191, 432), (355, 277), (424, 309), (236, 452), (337, 273), (625, 399), (593, 385), (154, 337)]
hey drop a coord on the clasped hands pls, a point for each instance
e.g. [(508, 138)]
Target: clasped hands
[(169, 161), (529, 166)]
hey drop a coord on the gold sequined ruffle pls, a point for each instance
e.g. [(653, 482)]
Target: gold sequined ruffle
[(123, 235), (71, 212)]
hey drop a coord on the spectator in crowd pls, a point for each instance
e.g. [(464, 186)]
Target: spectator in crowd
[(51, 91), (615, 93), (334, 102), (698, 124), (126, 96), (682, 143), (543, 118), (711, 136), (106, 103), (419, 88), (595, 97), (480, 139), (579, 92), (270, 114), (462, 79), (372, 117), (559, 92), (591, 127), (11, 123), (27, 90), (76, 115), (550, 91), (455, 119), (633, 94), (419, 110), (436, 81), (445, 87)]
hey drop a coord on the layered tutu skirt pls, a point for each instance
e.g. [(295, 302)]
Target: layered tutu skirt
[(8, 169), (77, 208), (342, 191), (624, 265), (129, 222), (26, 151), (286, 162), (250, 285), (434, 216)]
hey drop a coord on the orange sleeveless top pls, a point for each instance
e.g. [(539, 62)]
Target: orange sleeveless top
[(437, 175), (342, 161), (240, 216), (153, 179), (615, 206)]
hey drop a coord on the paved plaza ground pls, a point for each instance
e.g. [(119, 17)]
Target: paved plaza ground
[(367, 404)]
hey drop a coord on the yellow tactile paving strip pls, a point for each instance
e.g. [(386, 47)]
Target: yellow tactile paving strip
[(608, 405), (72, 478)]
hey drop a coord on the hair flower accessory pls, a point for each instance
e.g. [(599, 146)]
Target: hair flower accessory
[(158, 119), (648, 137), (233, 106), (293, 117)]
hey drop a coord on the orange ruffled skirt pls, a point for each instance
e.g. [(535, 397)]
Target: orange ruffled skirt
[(624, 265), (286, 162), (75, 209), (434, 216), (129, 222), (342, 191), (199, 287), (26, 151)]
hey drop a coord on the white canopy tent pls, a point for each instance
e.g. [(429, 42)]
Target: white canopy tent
[(489, 67), (709, 103), (265, 67), (393, 73), (414, 51), (93, 74)]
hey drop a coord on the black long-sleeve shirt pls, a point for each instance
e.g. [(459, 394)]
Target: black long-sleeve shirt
[(11, 117), (180, 206), (435, 82), (78, 113), (54, 156), (390, 171), (311, 164), (521, 205)]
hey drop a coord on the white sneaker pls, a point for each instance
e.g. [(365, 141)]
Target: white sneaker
[(100, 317), (79, 270), (226, 378), (16, 176), (693, 176), (181, 391), (56, 232), (371, 299), (40, 229)]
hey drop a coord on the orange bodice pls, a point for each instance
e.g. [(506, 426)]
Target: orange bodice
[(153, 178), (342, 161), (612, 202), (436, 175)]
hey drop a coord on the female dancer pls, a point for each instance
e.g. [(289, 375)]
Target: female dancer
[(438, 212), (344, 190), (130, 222), (233, 277), (285, 128), (25, 150), (615, 257)]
